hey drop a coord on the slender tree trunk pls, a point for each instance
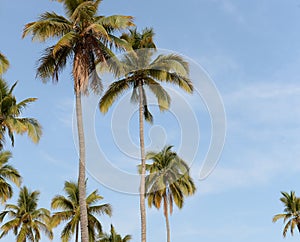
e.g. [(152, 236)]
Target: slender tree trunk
[(81, 176), (167, 218), (76, 232), (143, 170)]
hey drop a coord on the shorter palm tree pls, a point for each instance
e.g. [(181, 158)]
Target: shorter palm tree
[(71, 212), (7, 172), (113, 236), (291, 215), (168, 182), (27, 220)]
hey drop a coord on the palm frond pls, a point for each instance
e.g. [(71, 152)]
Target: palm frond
[(65, 42), (116, 22), (163, 98), (49, 25), (113, 92), (4, 64)]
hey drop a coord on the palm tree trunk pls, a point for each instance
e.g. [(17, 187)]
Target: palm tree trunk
[(167, 218), (81, 176), (143, 170), (76, 232)]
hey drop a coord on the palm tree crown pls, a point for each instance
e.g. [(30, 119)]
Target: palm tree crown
[(10, 116), (82, 35), (113, 236), (70, 212), (291, 215), (7, 172), (138, 67), (27, 220), (168, 182)]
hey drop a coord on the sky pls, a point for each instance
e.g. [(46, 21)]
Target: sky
[(249, 51)]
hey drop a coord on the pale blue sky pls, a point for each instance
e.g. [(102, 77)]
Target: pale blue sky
[(251, 49)]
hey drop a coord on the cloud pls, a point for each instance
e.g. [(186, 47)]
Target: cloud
[(263, 118), (231, 9)]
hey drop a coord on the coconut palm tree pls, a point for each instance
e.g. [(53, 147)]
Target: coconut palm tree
[(291, 215), (138, 71), (83, 38), (113, 236), (10, 111), (168, 182), (4, 64), (10, 116), (27, 220), (71, 212), (7, 172)]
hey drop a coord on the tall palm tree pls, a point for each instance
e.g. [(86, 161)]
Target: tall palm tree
[(27, 220), (7, 172), (113, 236), (291, 215), (138, 71), (83, 37), (4, 64), (71, 212), (168, 182), (11, 120)]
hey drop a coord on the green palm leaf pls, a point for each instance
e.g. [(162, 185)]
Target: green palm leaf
[(4, 64), (292, 212)]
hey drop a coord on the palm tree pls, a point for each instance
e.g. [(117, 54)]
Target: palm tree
[(7, 172), (27, 221), (71, 212), (168, 182), (4, 64), (138, 71), (83, 38), (10, 116), (291, 215), (10, 111), (113, 236)]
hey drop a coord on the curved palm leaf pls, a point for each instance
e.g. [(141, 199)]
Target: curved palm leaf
[(292, 212), (4, 64), (10, 112), (7, 172)]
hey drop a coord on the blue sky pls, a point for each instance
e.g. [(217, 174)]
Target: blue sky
[(251, 50)]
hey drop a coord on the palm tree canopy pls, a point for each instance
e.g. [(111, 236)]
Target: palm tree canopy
[(10, 116), (141, 66), (70, 210), (169, 177), (4, 64), (7, 172), (291, 215), (113, 236), (83, 36), (27, 220)]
